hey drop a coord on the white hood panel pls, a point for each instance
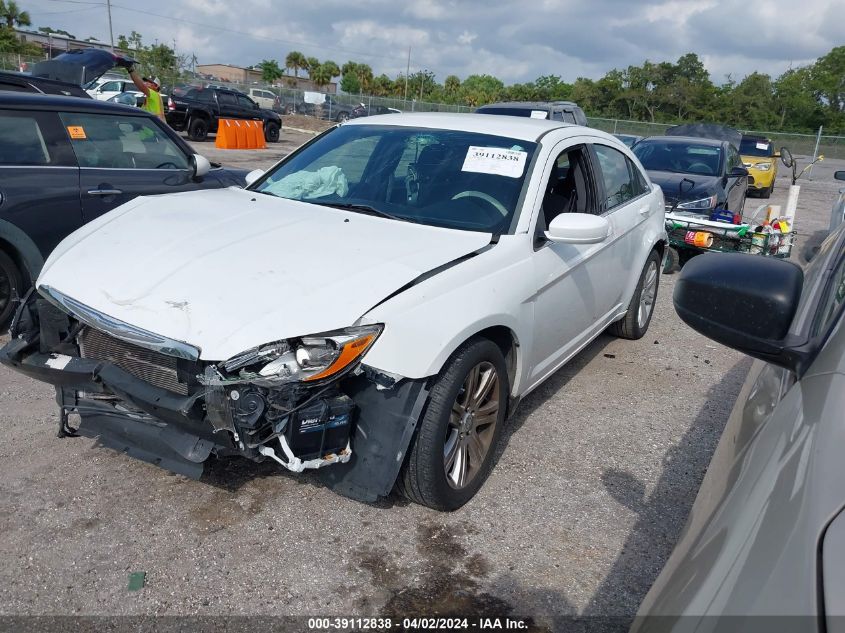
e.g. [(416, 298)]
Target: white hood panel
[(228, 270)]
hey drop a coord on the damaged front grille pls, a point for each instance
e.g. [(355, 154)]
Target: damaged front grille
[(152, 367)]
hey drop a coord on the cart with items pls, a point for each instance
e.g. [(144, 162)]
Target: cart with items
[(761, 233)]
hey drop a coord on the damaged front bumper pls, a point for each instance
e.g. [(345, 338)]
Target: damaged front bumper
[(358, 427)]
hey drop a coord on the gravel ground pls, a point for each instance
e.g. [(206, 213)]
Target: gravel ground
[(594, 481)]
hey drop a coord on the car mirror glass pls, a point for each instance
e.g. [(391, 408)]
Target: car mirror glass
[(786, 157)]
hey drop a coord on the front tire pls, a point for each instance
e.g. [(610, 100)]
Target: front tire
[(453, 451), (635, 323), (11, 286)]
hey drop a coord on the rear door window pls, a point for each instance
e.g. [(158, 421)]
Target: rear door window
[(121, 142)]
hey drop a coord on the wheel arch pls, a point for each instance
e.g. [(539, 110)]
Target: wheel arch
[(23, 251)]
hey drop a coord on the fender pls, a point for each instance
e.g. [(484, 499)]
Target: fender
[(427, 322), (24, 246)]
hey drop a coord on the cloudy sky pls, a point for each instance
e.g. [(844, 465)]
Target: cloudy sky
[(516, 40)]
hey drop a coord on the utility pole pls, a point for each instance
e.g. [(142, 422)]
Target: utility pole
[(407, 72), (111, 32)]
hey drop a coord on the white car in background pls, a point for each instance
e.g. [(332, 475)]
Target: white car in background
[(373, 306), (265, 99), (108, 86)]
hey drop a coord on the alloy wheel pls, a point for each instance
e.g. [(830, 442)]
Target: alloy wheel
[(647, 294), (472, 425)]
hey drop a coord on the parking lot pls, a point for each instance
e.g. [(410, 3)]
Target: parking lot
[(595, 477)]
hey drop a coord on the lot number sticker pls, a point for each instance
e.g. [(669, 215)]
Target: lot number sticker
[(762, 146), (76, 131), (495, 160), (539, 114)]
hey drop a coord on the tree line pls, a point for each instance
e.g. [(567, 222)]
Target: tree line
[(801, 99)]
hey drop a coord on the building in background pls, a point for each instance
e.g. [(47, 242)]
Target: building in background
[(237, 75)]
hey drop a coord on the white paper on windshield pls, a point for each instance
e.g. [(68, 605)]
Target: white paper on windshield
[(495, 160), (539, 114), (762, 146)]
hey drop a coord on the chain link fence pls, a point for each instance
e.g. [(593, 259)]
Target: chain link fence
[(15, 62)]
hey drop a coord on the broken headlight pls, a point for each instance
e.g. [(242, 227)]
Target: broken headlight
[(305, 359)]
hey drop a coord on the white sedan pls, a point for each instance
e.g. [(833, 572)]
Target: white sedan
[(373, 306)]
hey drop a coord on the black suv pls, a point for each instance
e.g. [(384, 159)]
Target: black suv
[(565, 111), (65, 161), (198, 111)]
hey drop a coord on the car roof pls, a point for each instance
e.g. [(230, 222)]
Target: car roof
[(686, 140), (522, 128), (36, 101), (535, 105)]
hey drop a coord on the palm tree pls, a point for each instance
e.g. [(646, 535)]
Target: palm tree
[(332, 69), (270, 70), (12, 15), (295, 60), (311, 65), (320, 75)]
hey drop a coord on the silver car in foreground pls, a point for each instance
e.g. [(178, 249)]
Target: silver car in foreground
[(764, 546)]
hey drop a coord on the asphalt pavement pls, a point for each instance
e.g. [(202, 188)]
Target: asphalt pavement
[(595, 478)]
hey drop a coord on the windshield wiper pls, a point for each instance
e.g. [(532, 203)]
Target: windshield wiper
[(362, 208)]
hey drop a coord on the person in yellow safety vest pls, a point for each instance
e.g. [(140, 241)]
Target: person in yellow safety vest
[(150, 88)]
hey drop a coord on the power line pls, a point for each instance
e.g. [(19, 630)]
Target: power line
[(224, 29), (246, 33)]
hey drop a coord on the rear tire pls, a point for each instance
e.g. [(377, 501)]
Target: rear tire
[(455, 444), (271, 133), (635, 323), (671, 261), (11, 286), (198, 129)]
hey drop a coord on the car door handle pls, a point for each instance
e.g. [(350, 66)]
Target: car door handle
[(644, 211), (104, 192)]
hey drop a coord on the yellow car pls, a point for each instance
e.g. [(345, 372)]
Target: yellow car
[(761, 160)]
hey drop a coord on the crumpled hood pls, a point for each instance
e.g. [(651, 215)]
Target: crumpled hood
[(230, 269), (669, 182)]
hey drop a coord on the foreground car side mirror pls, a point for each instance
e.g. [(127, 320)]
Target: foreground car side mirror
[(743, 301), (786, 157), (738, 172), (200, 165), (578, 228), (252, 176), (839, 175)]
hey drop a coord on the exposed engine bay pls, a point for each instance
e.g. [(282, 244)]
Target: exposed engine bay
[(290, 401)]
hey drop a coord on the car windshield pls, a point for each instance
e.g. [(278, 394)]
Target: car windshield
[(756, 147), (448, 178), (682, 158)]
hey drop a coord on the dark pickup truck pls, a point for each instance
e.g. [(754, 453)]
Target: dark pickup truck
[(197, 111)]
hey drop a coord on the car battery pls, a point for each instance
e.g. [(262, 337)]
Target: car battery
[(320, 428)]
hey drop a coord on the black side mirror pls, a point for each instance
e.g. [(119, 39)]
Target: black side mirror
[(786, 157), (839, 175), (738, 172), (746, 302)]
